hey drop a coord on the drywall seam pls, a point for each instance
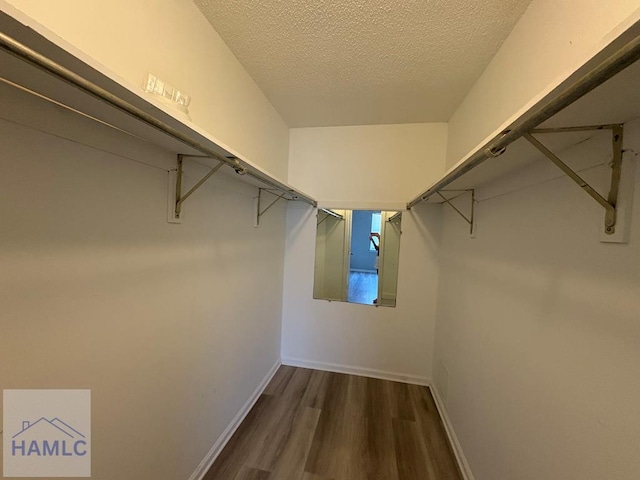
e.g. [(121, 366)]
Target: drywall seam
[(451, 434), (221, 442), (353, 370)]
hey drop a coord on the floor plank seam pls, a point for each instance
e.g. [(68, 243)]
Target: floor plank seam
[(318, 425)]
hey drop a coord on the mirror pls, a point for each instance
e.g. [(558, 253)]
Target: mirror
[(357, 255)]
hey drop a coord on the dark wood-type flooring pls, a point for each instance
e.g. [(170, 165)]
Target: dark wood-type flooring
[(315, 425)]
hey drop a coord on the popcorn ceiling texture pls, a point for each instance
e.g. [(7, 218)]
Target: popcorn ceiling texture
[(357, 62)]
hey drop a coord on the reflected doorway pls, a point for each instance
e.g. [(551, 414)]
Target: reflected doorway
[(364, 256)]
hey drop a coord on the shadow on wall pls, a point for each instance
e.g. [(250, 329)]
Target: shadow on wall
[(430, 235)]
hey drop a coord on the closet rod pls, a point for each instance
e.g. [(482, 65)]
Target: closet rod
[(44, 63), (539, 113)]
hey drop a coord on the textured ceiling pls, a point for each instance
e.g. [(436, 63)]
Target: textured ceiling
[(358, 62)]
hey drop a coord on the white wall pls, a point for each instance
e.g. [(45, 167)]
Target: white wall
[(550, 41), (364, 167), (538, 327), (172, 39), (172, 327), (375, 166)]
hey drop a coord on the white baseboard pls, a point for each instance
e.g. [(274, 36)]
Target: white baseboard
[(396, 377), (219, 445), (453, 438), (211, 456), (361, 371)]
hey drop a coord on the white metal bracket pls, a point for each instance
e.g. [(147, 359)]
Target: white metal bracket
[(394, 217), (328, 213), (609, 203), (176, 197), (470, 219), (260, 213)]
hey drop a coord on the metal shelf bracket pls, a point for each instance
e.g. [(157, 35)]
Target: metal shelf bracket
[(609, 203), (615, 62), (328, 213), (259, 201), (183, 134), (394, 217), (179, 198), (469, 219)]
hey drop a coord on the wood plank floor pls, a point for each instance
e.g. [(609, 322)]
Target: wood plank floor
[(314, 425)]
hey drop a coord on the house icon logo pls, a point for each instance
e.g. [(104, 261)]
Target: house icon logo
[(46, 434), (46, 437)]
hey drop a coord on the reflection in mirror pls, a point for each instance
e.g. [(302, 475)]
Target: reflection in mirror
[(357, 255)]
